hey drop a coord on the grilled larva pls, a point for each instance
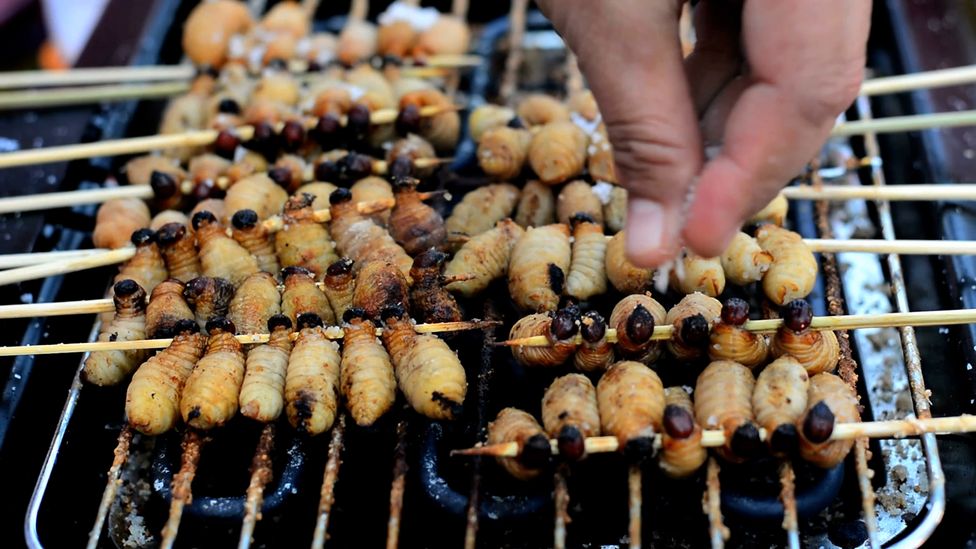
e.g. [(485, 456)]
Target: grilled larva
[(577, 197), (502, 151), (117, 219), (626, 277), (539, 109), (615, 209), (129, 324), (728, 341), (514, 425), (321, 191), (449, 35), (303, 241), (402, 157), (357, 41), (166, 309), (312, 380), (302, 295), (369, 189), (184, 113), (208, 297), (681, 451), (429, 301), (559, 328), (396, 38), (692, 318), (257, 192), (441, 130), (362, 240), (428, 372), (256, 300), (723, 400), (631, 402), (817, 350), (214, 206), (557, 152), (168, 216), (634, 318), (487, 116), (339, 286), (595, 353), (220, 255), (587, 270), (179, 251), (413, 224), (779, 399), (139, 170), (262, 395), (700, 274), (289, 172), (774, 212), (206, 168), (209, 28), (830, 400), (210, 396), (484, 258), (599, 156), (570, 414), (146, 267), (378, 285), (537, 270), (367, 381), (537, 205), (794, 269), (481, 209), (251, 234), (744, 261)]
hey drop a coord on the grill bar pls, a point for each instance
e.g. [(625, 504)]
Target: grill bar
[(328, 483), (261, 473)]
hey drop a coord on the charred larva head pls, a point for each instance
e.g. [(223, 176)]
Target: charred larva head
[(281, 176), (309, 320), (244, 219), (142, 237), (184, 326), (264, 141), (327, 170), (557, 278), (453, 408), (797, 315), (228, 106), (292, 135), (203, 217), (784, 440), (326, 132), (356, 166), (536, 452), (219, 290), (220, 324), (340, 267), (429, 259), (357, 122), (694, 331), (163, 185), (639, 449), (735, 311), (299, 201), (225, 146), (678, 422), (295, 270), (354, 313), (593, 327), (170, 233), (395, 311), (126, 288), (640, 325), (564, 323), (516, 123), (279, 321), (746, 442), (402, 166), (405, 183), (580, 217), (819, 423), (339, 196), (408, 120), (571, 443)]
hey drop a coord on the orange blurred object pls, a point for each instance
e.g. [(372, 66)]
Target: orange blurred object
[(49, 57)]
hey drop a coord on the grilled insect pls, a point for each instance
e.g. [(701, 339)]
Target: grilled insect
[(537, 205), (599, 156), (631, 401), (441, 130), (699, 274), (587, 269), (774, 212), (484, 258), (681, 450), (723, 400), (413, 224), (794, 269), (614, 208), (208, 297), (179, 251), (634, 318), (577, 197), (595, 352), (339, 286), (302, 295), (373, 189), (428, 372), (537, 270), (744, 261), (570, 414), (251, 234), (210, 396), (139, 170), (168, 216), (429, 301), (626, 277), (152, 401), (502, 151), (367, 381), (117, 219), (514, 425), (559, 328), (146, 267), (312, 379), (129, 324), (362, 240), (539, 109), (779, 399), (304, 242), (487, 116), (220, 255), (166, 309), (830, 400), (817, 350), (403, 155), (257, 192), (728, 341), (255, 301), (557, 152), (378, 285), (320, 190), (692, 318), (481, 209), (263, 390)]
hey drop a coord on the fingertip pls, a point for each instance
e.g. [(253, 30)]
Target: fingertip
[(724, 199), (650, 237)]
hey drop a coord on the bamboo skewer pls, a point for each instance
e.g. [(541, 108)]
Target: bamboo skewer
[(916, 122), (58, 97), (787, 495), (920, 192), (8, 261), (121, 455), (182, 486), (635, 504), (53, 268), (330, 477), (261, 473), (99, 75), (718, 532), (921, 80), (900, 247), (516, 33)]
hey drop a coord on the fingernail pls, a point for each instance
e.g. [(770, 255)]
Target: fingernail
[(646, 222)]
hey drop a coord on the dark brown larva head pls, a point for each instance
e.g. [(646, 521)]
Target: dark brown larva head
[(244, 219), (735, 311), (228, 106), (516, 123), (163, 185), (279, 321), (408, 120), (219, 291), (340, 267), (357, 122), (184, 326), (226, 144), (326, 132), (264, 141), (405, 184), (784, 440), (536, 452), (356, 166), (746, 442), (203, 217), (452, 407), (309, 320), (396, 311), (281, 176), (819, 423), (797, 315), (277, 64), (640, 325), (564, 323), (402, 166), (571, 443), (678, 422), (142, 237), (557, 279), (593, 327), (354, 313), (170, 234), (220, 324), (299, 201), (327, 170), (292, 135), (694, 331), (296, 271), (639, 449), (431, 258), (126, 288), (580, 217), (339, 196)]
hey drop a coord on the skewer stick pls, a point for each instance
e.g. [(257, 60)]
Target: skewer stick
[(111, 485), (921, 80), (57, 97), (635, 499), (920, 192), (916, 122), (717, 530), (562, 507), (182, 486), (99, 75), (788, 497), (516, 33), (261, 474), (47, 201), (8, 261), (397, 487), (900, 247), (53, 268), (328, 483)]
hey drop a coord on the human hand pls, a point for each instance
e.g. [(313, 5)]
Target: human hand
[(766, 81)]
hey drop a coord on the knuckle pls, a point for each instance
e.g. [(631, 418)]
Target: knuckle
[(647, 151)]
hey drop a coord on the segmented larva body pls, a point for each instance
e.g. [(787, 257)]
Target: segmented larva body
[(634, 318), (794, 269), (413, 224), (129, 324), (723, 400), (207, 167), (577, 197), (152, 401), (312, 382), (262, 395), (251, 234), (303, 241), (146, 267), (570, 413), (166, 308), (428, 372), (692, 318), (339, 285), (699, 274), (302, 295), (367, 381), (484, 258), (559, 328), (774, 212), (362, 240), (599, 156), (211, 392), (117, 219), (429, 301), (481, 209), (536, 206), (830, 391), (626, 277), (441, 130), (730, 342), (179, 252), (681, 450), (817, 350), (487, 116), (631, 403), (183, 113), (557, 152), (255, 301), (289, 172), (371, 189), (321, 191), (208, 297), (220, 255), (744, 261), (538, 109), (595, 353), (257, 192), (378, 285), (779, 399), (587, 269), (502, 151), (139, 170), (166, 217), (537, 270), (514, 425), (615, 209)]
